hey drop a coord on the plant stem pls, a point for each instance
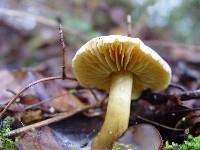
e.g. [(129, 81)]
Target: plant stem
[(118, 111)]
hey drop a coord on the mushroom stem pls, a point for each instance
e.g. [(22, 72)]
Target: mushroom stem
[(118, 111)]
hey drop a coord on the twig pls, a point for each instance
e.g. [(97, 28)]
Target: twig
[(27, 87), (63, 52), (42, 102), (129, 24), (157, 124), (57, 118), (42, 20), (189, 95), (177, 86), (11, 91), (94, 94), (154, 98), (183, 110), (158, 98)]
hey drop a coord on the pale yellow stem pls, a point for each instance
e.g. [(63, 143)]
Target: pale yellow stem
[(118, 111)]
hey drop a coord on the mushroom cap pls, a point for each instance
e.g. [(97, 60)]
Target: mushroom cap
[(96, 61)]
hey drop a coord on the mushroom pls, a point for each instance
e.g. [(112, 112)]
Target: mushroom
[(124, 67)]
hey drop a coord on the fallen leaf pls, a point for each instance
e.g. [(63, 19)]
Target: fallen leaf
[(76, 132), (142, 137), (29, 116), (7, 80), (62, 100), (66, 101), (29, 99), (15, 80), (41, 139)]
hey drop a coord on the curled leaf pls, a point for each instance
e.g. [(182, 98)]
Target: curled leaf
[(142, 137)]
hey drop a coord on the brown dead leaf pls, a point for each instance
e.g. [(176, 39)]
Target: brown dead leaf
[(29, 99), (62, 100), (66, 102), (42, 139), (7, 80), (143, 137), (14, 81), (29, 116)]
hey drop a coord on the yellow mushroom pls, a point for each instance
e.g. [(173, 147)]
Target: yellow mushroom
[(124, 67)]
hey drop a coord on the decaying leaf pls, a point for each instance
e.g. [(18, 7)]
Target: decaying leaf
[(41, 139), (7, 80), (61, 99), (29, 116), (15, 80), (66, 101), (142, 137), (77, 132)]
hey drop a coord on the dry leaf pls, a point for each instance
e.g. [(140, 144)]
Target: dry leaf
[(143, 137), (42, 139), (29, 116), (66, 101)]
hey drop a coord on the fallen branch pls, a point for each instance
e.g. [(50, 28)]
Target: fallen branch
[(57, 118), (159, 98), (187, 95)]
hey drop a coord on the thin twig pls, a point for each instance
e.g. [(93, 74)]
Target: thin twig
[(11, 91), (177, 86), (63, 52), (42, 102), (183, 110), (158, 98), (94, 94), (57, 118), (27, 87), (157, 124), (189, 95), (129, 24)]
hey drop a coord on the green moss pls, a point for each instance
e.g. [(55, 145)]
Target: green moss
[(120, 146), (191, 143), (7, 143)]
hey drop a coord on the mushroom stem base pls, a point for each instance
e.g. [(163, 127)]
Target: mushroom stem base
[(118, 111)]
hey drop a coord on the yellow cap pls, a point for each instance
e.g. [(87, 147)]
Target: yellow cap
[(95, 61)]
